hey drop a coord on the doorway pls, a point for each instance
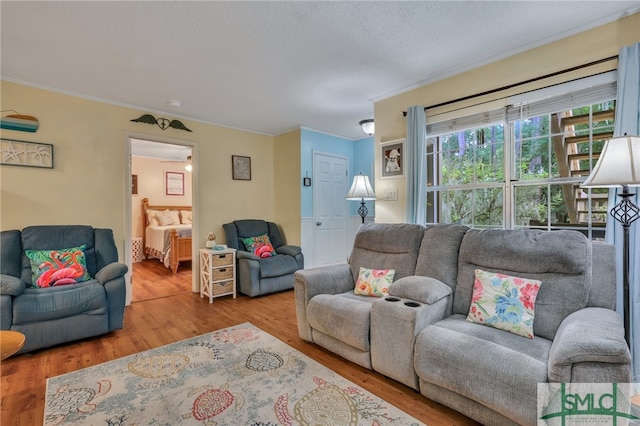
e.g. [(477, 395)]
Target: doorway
[(161, 174), (330, 209)]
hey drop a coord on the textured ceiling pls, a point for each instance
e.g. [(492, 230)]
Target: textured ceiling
[(270, 67)]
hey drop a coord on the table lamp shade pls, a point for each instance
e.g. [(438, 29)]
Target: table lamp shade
[(361, 189), (618, 165)]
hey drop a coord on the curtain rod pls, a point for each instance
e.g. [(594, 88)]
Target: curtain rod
[(510, 86)]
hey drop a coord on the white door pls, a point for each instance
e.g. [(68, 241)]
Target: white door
[(330, 208)]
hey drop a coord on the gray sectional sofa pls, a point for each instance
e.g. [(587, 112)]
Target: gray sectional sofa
[(419, 334)]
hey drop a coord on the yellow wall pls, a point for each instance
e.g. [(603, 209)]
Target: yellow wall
[(88, 186), (286, 165), (589, 46)]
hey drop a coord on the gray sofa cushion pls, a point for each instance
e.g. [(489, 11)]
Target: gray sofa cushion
[(246, 228), (438, 256), (560, 259), (46, 304), (386, 246), (492, 367), (52, 237), (603, 294), (10, 285), (11, 253), (421, 289), (277, 266), (345, 319), (592, 336)]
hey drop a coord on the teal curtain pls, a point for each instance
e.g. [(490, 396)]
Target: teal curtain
[(628, 121), (415, 163)]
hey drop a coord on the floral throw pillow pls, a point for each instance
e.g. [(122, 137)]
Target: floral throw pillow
[(504, 302), (260, 246), (374, 282), (58, 267)]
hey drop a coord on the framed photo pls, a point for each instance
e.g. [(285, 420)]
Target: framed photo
[(392, 159), (28, 154), (241, 167), (134, 184), (173, 184)]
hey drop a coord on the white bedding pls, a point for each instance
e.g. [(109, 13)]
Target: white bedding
[(157, 240)]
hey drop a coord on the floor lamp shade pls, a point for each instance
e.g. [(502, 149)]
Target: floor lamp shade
[(360, 191), (619, 166)]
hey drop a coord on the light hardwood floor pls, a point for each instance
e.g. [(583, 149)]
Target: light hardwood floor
[(164, 320), (151, 279)]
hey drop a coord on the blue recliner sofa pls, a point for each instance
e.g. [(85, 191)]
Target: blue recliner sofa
[(59, 314), (263, 275)]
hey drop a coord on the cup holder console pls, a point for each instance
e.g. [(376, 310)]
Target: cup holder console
[(407, 303)]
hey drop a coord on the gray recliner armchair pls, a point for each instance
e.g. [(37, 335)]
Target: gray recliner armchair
[(262, 275), (60, 313)]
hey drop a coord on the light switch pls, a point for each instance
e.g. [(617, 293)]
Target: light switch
[(391, 195)]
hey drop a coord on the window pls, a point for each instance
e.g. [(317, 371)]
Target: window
[(470, 177), (522, 166)]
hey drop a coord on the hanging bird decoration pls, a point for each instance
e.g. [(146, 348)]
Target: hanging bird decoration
[(162, 122)]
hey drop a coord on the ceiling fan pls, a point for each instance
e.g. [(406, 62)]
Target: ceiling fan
[(188, 166)]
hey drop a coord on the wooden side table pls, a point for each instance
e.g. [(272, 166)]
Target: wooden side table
[(217, 273), (10, 343)]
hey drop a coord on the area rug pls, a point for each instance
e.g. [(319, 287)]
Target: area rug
[(236, 376)]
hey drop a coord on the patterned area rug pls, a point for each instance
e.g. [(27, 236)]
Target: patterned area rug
[(236, 376)]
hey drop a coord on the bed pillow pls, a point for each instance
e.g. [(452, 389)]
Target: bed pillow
[(151, 217), (58, 267), (260, 245), (175, 216), (186, 216), (504, 302), (165, 218), (374, 282)]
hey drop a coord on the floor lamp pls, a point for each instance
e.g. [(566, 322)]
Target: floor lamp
[(360, 191), (619, 166)]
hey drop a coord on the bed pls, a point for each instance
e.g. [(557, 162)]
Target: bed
[(166, 233)]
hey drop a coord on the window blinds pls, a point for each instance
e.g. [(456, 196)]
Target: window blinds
[(577, 93), (574, 99), (480, 119)]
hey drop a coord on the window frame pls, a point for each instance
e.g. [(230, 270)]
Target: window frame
[(575, 94)]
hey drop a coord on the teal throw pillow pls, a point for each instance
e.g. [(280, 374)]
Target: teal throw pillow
[(58, 267), (260, 245)]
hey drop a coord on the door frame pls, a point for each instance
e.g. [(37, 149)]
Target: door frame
[(195, 287)]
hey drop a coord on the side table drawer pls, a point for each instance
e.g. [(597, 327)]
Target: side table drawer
[(222, 259), (224, 287), (222, 274)]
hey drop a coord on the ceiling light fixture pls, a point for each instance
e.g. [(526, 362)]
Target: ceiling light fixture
[(368, 126), (175, 103)]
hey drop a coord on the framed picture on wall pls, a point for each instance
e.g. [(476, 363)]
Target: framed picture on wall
[(241, 167), (27, 154), (173, 184), (392, 159)]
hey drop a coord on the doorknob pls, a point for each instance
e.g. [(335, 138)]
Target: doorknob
[(318, 223)]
